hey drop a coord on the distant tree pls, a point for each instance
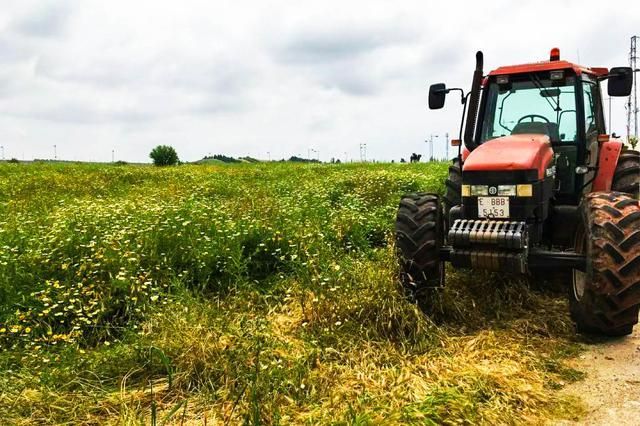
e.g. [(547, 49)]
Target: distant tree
[(13, 160), (164, 155), (249, 159), (633, 141), (223, 158), (402, 160), (295, 159), (415, 158)]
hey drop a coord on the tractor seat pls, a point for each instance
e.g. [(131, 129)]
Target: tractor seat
[(549, 129)]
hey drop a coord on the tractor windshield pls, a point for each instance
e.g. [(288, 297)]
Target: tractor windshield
[(530, 103)]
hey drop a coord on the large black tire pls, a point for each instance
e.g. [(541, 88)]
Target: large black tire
[(605, 299), (453, 187), (626, 177), (418, 241)]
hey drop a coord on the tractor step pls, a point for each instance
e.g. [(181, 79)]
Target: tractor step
[(533, 259), (492, 260)]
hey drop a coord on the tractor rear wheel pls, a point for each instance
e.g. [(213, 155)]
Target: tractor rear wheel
[(418, 241), (626, 177), (605, 299), (452, 193)]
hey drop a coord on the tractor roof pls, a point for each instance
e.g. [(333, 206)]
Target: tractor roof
[(553, 64)]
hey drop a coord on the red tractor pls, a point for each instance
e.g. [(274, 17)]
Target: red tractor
[(539, 187)]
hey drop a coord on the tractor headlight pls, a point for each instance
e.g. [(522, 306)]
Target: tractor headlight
[(525, 190), (479, 190), (506, 190), (466, 190)]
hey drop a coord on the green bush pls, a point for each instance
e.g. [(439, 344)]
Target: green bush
[(164, 155)]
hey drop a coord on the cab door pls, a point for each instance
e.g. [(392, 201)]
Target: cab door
[(592, 123)]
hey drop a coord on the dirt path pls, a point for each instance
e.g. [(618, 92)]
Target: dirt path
[(611, 389)]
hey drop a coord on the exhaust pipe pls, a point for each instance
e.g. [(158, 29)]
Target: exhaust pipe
[(474, 100)]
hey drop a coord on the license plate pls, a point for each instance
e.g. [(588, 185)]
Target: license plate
[(493, 207)]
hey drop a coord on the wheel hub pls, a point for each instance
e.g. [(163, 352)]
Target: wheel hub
[(579, 284)]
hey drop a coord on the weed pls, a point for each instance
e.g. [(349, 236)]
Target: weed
[(252, 293)]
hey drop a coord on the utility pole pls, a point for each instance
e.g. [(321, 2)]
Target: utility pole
[(269, 155), (55, 152), (446, 146), (2, 146), (345, 156), (632, 102), (609, 121), (363, 152), (113, 155), (430, 142)]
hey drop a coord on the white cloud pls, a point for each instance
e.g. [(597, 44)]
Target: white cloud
[(243, 78), (47, 21)]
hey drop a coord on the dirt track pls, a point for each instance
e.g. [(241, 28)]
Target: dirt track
[(611, 389)]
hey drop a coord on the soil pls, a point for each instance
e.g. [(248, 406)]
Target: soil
[(611, 389)]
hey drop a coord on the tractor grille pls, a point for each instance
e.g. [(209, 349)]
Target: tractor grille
[(489, 244)]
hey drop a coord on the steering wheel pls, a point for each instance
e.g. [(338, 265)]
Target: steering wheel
[(532, 116)]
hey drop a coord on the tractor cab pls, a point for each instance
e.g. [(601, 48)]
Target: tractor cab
[(539, 186), (557, 100), (544, 116)]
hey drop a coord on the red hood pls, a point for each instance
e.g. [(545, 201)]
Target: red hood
[(514, 152)]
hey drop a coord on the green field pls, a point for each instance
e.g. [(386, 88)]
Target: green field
[(253, 293)]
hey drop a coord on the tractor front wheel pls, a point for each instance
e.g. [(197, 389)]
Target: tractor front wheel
[(453, 188), (626, 177), (605, 298), (418, 240)]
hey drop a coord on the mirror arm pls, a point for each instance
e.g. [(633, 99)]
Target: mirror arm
[(464, 111), (607, 76), (463, 97)]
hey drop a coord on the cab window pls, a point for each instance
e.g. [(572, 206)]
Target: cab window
[(531, 103)]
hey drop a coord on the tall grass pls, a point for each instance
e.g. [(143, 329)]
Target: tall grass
[(255, 294)]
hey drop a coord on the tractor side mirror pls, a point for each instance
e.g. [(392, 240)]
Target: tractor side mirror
[(437, 94), (620, 81)]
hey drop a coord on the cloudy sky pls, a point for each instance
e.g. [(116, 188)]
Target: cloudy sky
[(248, 77)]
